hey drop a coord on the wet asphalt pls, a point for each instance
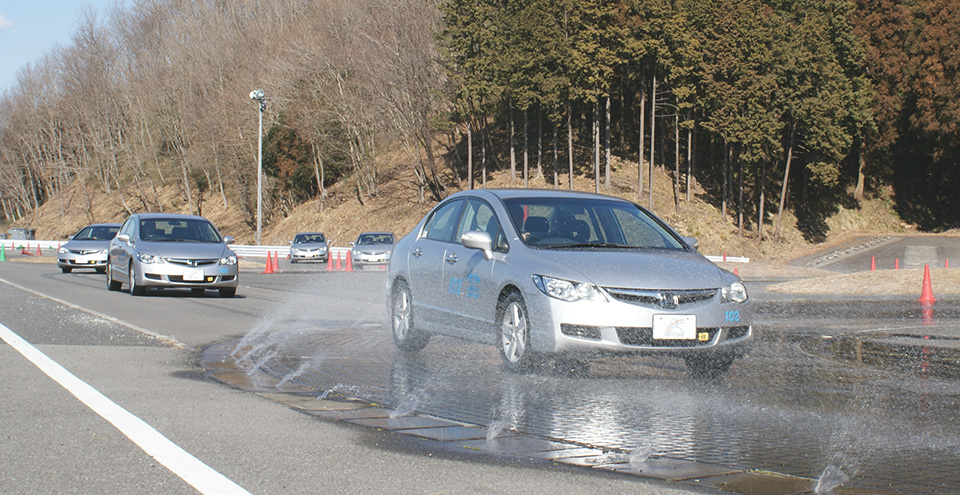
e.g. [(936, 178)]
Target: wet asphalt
[(858, 392)]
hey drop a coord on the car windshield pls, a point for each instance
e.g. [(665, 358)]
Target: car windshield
[(305, 238), (96, 233), (374, 239), (587, 223), (178, 230)]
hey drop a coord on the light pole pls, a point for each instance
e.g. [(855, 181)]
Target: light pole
[(257, 95)]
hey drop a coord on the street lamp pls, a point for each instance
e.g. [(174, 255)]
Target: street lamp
[(257, 95)]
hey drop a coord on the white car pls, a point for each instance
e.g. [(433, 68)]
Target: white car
[(546, 272)]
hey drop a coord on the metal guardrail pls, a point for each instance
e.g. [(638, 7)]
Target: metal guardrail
[(252, 251)]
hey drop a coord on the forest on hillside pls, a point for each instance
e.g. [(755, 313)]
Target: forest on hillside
[(805, 105)]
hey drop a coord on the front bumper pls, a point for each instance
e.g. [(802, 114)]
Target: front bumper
[(72, 260), (620, 327), (371, 258), (308, 255), (213, 276)]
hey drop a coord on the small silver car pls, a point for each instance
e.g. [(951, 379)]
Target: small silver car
[(372, 248), (165, 250), (308, 246), (87, 248), (546, 272)]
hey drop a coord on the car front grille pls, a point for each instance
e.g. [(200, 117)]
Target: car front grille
[(667, 299), (84, 252), (191, 262)]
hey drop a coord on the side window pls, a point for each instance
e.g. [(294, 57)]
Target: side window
[(479, 215), (127, 227), (444, 221)]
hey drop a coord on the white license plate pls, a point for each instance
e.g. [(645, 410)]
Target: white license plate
[(675, 327), (193, 276)]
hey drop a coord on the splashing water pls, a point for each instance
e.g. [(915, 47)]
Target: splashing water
[(330, 391), (831, 478), (640, 455), (495, 428), (406, 406)]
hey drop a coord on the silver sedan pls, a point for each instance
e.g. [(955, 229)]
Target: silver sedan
[(542, 272), (87, 248), (163, 250), (372, 248)]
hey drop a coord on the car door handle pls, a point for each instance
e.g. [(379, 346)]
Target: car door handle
[(417, 252), (450, 258)]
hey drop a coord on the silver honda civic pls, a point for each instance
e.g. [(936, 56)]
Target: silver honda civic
[(165, 250), (546, 272), (87, 248)]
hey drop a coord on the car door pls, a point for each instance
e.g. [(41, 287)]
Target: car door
[(120, 250), (425, 264), (470, 296)]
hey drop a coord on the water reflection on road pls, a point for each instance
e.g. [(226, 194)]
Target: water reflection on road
[(809, 399)]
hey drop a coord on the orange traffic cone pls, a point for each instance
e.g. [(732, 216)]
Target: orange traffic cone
[(873, 263), (736, 272), (38, 250), (269, 267), (896, 264), (337, 268), (349, 267), (946, 263), (330, 262), (276, 262), (926, 294)]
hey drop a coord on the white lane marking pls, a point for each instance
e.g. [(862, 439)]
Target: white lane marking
[(202, 477), (164, 338)]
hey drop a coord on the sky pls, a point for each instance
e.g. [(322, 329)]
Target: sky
[(31, 28)]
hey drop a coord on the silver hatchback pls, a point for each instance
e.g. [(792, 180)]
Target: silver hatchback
[(544, 272), (164, 250)]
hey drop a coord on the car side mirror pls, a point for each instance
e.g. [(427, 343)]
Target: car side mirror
[(691, 241), (228, 239), (124, 238), (476, 239), (352, 243)]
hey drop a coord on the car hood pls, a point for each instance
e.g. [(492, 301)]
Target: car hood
[(87, 245), (198, 250), (673, 270), (373, 248), (309, 245)]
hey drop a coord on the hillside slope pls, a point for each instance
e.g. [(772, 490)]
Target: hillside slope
[(396, 208)]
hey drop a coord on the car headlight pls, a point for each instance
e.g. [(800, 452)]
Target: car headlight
[(149, 259), (734, 292), (566, 290), (63, 250), (228, 260)]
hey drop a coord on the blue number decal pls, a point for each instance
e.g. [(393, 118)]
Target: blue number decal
[(733, 315)]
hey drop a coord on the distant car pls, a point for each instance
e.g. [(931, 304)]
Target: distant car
[(164, 250), (372, 248), (87, 248), (544, 272), (308, 246)]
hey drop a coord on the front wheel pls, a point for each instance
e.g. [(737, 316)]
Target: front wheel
[(66, 269), (514, 332), (112, 285), (228, 291), (405, 335), (135, 290)]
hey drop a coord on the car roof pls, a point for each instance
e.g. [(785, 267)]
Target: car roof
[(375, 233), (102, 225), (535, 193), (179, 216), (308, 233)]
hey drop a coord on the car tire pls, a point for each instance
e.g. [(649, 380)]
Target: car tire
[(135, 290), (100, 270), (405, 335), (197, 291), (112, 285), (228, 291), (710, 365), (513, 333), (293, 261), (66, 269)]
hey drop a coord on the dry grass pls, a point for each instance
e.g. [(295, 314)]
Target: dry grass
[(396, 208)]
